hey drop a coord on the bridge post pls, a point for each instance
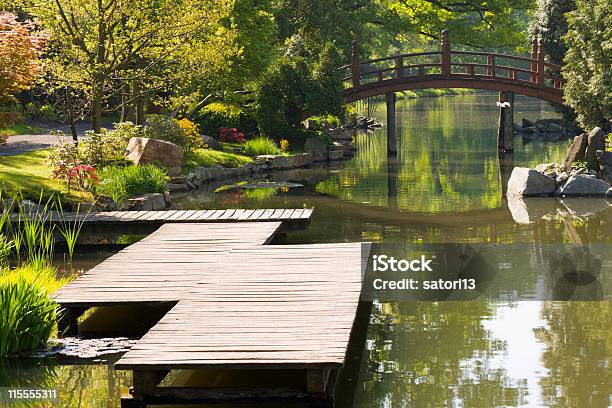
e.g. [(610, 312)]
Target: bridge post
[(355, 64), (391, 137), (506, 118), (534, 59), (445, 53), (540, 63)]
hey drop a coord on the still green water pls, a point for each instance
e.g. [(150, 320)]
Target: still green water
[(443, 188)]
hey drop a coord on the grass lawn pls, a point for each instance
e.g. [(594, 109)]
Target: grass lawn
[(209, 158), (29, 173), (20, 129)]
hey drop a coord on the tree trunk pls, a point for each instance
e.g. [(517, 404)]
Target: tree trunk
[(96, 111), (139, 105), (70, 112)]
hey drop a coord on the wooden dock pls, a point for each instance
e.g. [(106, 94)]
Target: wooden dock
[(160, 268), (236, 304), (292, 215), (287, 308)]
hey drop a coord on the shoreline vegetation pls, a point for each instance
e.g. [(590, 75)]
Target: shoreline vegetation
[(28, 316)]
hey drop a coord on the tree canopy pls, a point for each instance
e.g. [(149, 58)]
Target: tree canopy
[(19, 55)]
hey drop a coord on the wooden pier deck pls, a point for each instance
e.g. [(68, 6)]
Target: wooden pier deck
[(292, 215), (287, 308), (160, 268), (236, 304)]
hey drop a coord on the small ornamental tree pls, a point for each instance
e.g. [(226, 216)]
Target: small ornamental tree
[(19, 55), (587, 62)]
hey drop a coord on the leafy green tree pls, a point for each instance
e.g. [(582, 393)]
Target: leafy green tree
[(587, 62), (550, 25), (103, 45), (296, 86), (475, 23)]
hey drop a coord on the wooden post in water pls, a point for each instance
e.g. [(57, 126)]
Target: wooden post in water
[(534, 58), (355, 65), (445, 53), (391, 137), (506, 118)]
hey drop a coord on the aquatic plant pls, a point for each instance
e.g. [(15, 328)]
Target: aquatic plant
[(259, 146), (6, 247), (121, 183), (27, 314), (71, 230)]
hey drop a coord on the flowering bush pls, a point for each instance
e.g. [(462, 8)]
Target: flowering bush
[(284, 145), (193, 139), (84, 176), (63, 157), (231, 135)]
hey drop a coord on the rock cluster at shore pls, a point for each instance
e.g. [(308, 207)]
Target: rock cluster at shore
[(585, 172), (202, 175)]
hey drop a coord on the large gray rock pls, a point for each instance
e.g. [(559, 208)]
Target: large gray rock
[(526, 123), (596, 141), (529, 182), (604, 159), (212, 143), (317, 148), (576, 151), (146, 202), (582, 185), (142, 150)]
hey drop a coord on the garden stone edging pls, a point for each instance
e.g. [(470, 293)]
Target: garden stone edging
[(203, 175)]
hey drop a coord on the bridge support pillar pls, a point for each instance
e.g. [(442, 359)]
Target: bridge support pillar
[(391, 136), (506, 119)]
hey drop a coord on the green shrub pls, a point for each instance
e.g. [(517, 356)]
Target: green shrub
[(164, 128), (324, 122), (218, 115), (27, 314), (122, 183), (296, 86), (6, 247), (260, 145), (108, 147)]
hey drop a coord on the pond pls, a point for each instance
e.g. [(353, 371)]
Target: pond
[(509, 347)]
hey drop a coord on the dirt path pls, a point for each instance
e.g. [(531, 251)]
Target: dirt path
[(26, 143)]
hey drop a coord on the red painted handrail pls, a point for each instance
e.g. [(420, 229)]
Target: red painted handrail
[(532, 71)]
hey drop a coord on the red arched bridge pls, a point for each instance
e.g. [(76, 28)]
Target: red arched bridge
[(530, 76)]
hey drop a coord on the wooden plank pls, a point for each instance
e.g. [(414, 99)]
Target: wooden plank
[(165, 265), (294, 306)]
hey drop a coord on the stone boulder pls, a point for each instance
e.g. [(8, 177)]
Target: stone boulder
[(142, 150), (529, 182), (576, 151), (584, 185), (317, 148), (604, 159), (211, 143), (106, 203), (335, 155), (526, 123), (596, 141), (147, 202)]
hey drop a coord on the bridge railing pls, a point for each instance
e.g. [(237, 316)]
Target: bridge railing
[(532, 70)]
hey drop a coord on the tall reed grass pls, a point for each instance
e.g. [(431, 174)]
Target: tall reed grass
[(27, 314)]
